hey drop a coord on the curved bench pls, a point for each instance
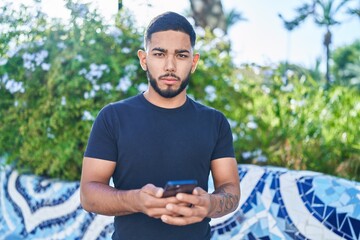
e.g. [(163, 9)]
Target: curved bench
[(276, 203)]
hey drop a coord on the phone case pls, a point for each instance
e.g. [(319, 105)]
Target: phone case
[(183, 186)]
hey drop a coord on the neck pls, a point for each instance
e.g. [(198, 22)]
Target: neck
[(175, 102)]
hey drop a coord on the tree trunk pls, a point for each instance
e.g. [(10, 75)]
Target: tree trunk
[(327, 42), (208, 13), (120, 5)]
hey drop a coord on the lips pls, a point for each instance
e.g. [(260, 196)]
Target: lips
[(169, 79)]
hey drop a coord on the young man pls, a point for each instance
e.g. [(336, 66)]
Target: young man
[(160, 135)]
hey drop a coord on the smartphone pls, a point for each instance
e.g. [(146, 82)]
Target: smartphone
[(183, 186)]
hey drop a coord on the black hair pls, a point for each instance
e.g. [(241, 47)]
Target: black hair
[(170, 21)]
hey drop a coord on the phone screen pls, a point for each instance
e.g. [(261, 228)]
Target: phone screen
[(183, 186)]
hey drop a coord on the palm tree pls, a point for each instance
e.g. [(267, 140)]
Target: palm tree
[(120, 4), (325, 14), (210, 14)]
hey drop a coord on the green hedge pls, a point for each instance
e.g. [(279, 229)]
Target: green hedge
[(56, 76), (54, 82)]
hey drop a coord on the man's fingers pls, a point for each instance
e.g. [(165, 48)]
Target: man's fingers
[(151, 197), (180, 210), (179, 221), (191, 199), (153, 190), (187, 210), (199, 191), (158, 212)]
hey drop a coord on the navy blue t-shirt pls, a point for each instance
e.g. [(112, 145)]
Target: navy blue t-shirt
[(153, 145)]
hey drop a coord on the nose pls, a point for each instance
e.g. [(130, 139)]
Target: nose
[(170, 64)]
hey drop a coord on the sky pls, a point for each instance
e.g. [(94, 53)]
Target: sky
[(261, 39)]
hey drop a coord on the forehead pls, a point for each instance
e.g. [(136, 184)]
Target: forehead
[(170, 40)]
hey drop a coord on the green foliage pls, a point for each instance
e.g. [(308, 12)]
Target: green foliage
[(346, 64), (56, 76), (53, 81), (295, 123), (287, 120)]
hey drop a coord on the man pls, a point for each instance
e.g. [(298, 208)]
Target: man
[(160, 135)]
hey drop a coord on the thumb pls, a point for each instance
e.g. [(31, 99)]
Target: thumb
[(199, 191), (153, 190)]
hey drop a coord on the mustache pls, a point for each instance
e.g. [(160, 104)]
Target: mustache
[(170, 75)]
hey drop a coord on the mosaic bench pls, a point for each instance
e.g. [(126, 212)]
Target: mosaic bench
[(276, 203)]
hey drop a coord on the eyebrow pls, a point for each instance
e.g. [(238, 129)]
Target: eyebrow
[(182, 51), (164, 50), (159, 49)]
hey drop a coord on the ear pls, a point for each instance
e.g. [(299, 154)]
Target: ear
[(195, 62), (142, 59)]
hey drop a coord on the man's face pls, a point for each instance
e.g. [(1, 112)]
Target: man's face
[(168, 92), (168, 62)]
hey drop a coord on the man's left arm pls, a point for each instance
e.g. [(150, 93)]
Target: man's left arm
[(226, 196), (222, 201)]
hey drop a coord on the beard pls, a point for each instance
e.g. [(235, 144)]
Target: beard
[(168, 92)]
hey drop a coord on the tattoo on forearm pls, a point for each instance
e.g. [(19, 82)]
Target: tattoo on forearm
[(227, 202)]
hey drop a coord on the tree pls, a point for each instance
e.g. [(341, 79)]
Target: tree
[(346, 67), (210, 14), (325, 14), (120, 4)]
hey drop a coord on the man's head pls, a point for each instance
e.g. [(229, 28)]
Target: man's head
[(169, 57), (169, 21)]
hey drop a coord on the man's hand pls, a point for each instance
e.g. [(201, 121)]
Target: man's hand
[(149, 201), (195, 207), (192, 208)]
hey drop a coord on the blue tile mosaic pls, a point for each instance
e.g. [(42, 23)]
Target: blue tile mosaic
[(334, 202), (276, 203)]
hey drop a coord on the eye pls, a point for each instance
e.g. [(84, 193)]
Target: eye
[(158, 54), (182, 55)]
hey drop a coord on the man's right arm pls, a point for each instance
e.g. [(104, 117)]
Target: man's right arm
[(97, 196)]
